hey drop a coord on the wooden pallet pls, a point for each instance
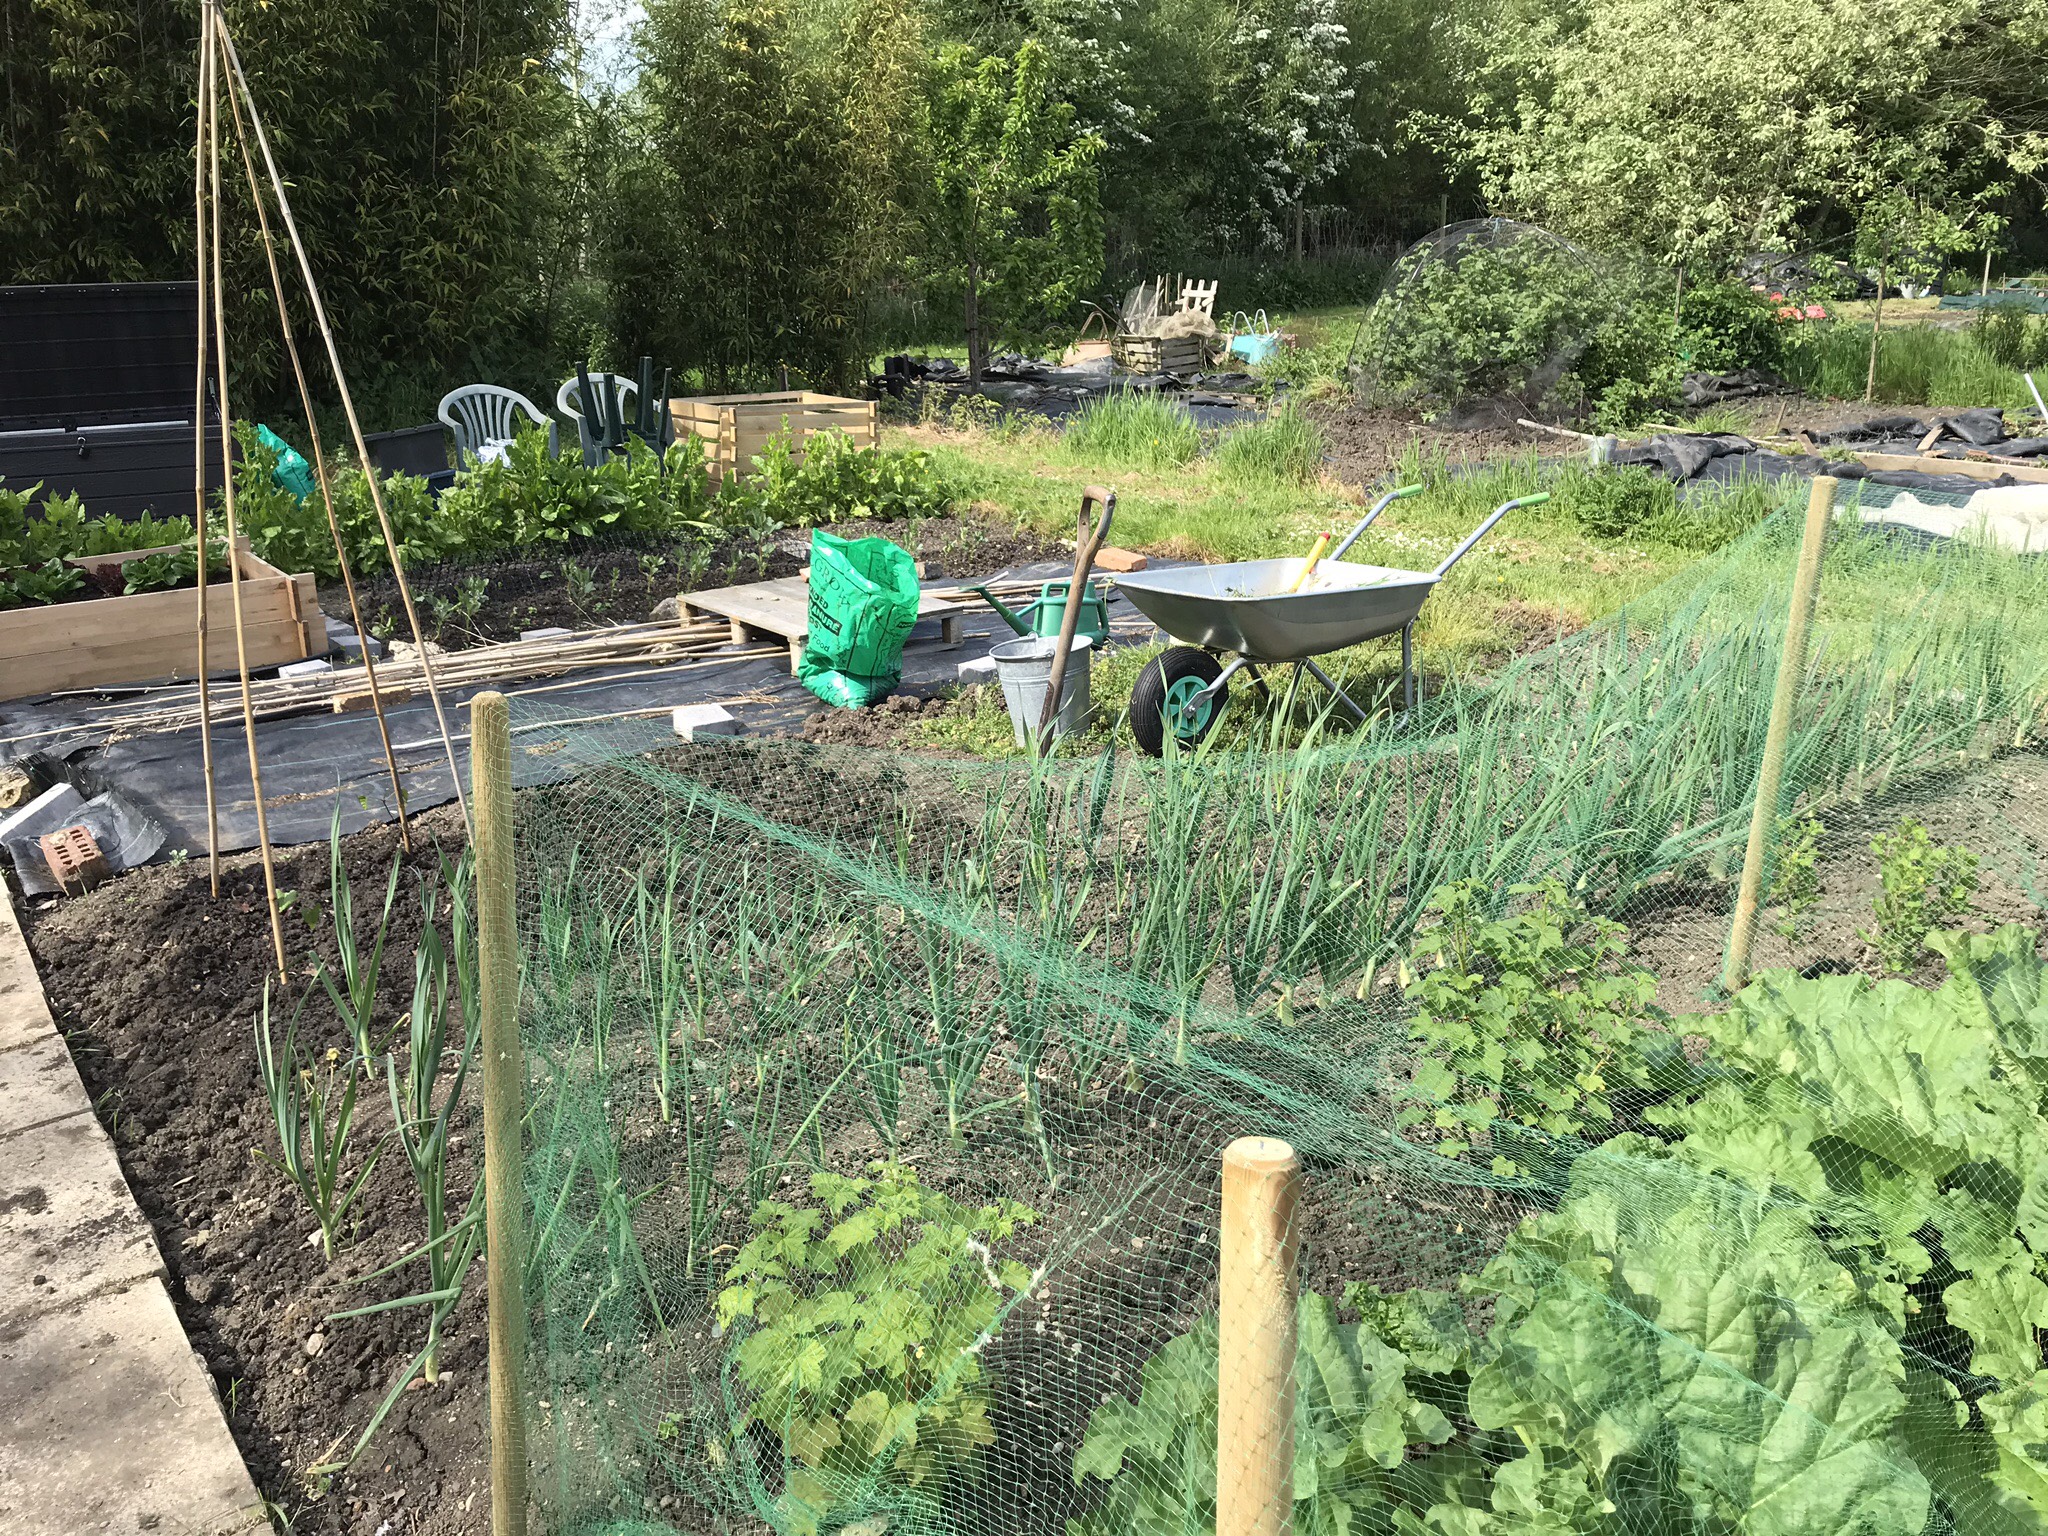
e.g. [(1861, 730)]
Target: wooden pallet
[(781, 610)]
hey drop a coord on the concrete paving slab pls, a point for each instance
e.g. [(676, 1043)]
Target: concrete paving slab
[(69, 1229), (24, 1015), (38, 1084), (108, 1422)]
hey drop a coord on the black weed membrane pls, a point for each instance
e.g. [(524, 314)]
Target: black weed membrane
[(876, 1101)]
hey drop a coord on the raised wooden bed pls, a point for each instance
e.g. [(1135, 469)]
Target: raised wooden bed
[(736, 428), (151, 636)]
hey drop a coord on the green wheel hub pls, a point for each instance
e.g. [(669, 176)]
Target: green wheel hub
[(1178, 693)]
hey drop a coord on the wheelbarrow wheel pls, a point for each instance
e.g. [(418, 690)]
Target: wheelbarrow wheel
[(1165, 686)]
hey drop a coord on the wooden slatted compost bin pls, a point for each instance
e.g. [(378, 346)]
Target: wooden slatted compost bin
[(1132, 353), (736, 428), (150, 636)]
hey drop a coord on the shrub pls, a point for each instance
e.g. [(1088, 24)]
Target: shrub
[(1529, 1020), (1726, 326), (2012, 336)]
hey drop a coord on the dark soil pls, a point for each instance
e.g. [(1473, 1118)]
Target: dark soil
[(155, 986), (623, 583), (1367, 444), (1991, 810)]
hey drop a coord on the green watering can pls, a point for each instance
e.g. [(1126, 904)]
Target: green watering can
[(1042, 615)]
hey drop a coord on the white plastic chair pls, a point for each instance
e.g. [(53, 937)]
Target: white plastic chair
[(569, 401), (485, 416)]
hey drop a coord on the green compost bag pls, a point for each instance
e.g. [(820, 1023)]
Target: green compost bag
[(863, 604), (292, 471)]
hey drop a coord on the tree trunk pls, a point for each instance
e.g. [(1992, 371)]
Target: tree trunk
[(1299, 234), (977, 350), (1884, 272)]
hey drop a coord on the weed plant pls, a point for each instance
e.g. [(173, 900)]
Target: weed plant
[(1286, 448), (1916, 365), (1133, 430)]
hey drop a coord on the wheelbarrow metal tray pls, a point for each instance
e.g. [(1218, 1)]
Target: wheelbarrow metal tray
[(1245, 606)]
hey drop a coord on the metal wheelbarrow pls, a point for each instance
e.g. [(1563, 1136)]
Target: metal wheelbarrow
[(1251, 608)]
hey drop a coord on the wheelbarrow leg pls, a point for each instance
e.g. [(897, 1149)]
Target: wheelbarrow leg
[(1342, 697), (1411, 686)]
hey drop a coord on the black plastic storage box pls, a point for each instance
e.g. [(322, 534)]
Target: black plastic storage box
[(96, 395)]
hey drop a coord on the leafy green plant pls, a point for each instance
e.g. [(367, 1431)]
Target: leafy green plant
[(1920, 886), (1726, 326), (313, 1111), (1795, 872), (1355, 1421), (835, 480), (1620, 502), (459, 611), (1535, 1019), (864, 1326)]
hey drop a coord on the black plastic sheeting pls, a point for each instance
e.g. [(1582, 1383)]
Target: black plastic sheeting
[(1713, 459), (318, 765)]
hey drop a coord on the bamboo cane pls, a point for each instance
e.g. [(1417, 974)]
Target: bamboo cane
[(1820, 506), (503, 1090), (220, 335), (348, 580), (1255, 1346), (199, 183), (348, 407)]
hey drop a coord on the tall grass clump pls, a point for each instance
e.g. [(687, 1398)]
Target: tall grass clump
[(1134, 431), (1916, 365), (1286, 448)]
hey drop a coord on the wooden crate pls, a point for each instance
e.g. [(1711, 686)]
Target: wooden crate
[(736, 428), (152, 637), (1133, 353)]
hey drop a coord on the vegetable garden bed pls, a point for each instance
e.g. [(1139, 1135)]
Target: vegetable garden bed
[(91, 640)]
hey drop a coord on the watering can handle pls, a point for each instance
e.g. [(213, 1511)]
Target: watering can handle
[(1480, 532), (1365, 522)]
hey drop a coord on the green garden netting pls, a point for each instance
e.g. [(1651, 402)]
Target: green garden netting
[(875, 1100)]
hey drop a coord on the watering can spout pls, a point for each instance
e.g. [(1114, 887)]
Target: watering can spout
[(1009, 616)]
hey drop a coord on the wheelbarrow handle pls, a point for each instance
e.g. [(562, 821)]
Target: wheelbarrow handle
[(1480, 532), (1365, 522)]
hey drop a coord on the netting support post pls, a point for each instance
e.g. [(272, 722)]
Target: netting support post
[(1260, 1248), (504, 1088), (1770, 779)]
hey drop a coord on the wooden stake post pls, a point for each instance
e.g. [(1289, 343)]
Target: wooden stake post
[(1255, 1358), (1820, 507), (504, 1079)]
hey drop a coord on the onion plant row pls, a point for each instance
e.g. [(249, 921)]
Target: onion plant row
[(736, 963)]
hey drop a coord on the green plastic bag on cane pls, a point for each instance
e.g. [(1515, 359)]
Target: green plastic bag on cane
[(292, 471), (863, 604)]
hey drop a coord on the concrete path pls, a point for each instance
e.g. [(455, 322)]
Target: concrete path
[(108, 1421)]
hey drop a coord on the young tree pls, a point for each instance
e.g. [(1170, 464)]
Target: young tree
[(1014, 219)]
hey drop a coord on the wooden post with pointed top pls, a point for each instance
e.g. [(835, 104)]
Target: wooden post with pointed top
[(1260, 1249), (1770, 778), (504, 1091)]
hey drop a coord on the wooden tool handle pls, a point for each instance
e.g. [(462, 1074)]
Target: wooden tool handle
[(1089, 541)]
